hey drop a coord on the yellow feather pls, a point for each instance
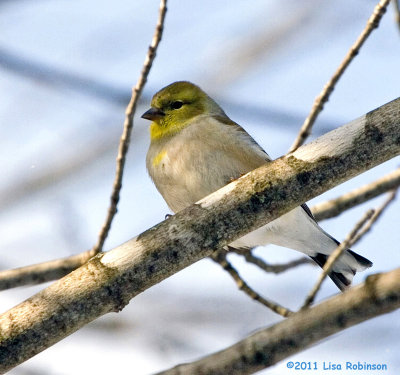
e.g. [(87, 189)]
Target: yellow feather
[(157, 159), (169, 128)]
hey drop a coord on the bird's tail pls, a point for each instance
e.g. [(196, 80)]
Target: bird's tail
[(345, 267)]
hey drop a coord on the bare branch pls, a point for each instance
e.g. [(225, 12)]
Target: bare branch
[(42, 272), (271, 268), (335, 207), (220, 258), (377, 213), (380, 294), (322, 98), (349, 241), (55, 269), (128, 125), (109, 280)]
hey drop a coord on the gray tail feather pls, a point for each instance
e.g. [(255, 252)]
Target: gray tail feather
[(341, 281)]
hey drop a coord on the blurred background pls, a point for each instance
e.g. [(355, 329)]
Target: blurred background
[(66, 72)]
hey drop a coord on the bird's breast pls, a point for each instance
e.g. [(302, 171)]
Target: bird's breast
[(185, 173), (199, 160)]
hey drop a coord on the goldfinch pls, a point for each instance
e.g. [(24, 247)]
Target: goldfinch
[(196, 149)]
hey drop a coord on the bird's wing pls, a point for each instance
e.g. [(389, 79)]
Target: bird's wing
[(258, 149), (228, 121), (254, 146)]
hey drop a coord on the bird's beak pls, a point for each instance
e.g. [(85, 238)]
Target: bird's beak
[(153, 114)]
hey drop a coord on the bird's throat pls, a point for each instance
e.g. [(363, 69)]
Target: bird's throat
[(158, 131)]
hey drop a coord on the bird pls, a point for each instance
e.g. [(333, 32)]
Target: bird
[(196, 149)]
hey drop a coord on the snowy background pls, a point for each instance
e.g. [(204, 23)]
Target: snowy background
[(66, 71)]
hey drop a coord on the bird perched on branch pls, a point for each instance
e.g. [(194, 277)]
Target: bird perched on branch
[(196, 149)]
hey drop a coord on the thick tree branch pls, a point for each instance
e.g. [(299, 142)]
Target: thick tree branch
[(379, 295), (322, 98), (335, 207), (55, 269), (108, 281)]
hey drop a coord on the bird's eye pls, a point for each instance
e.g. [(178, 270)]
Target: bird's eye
[(176, 105)]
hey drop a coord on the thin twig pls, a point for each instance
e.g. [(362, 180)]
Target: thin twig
[(128, 125), (396, 5), (377, 213), (42, 272), (349, 241), (51, 270), (360, 229), (220, 258), (270, 268), (322, 98), (335, 207)]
